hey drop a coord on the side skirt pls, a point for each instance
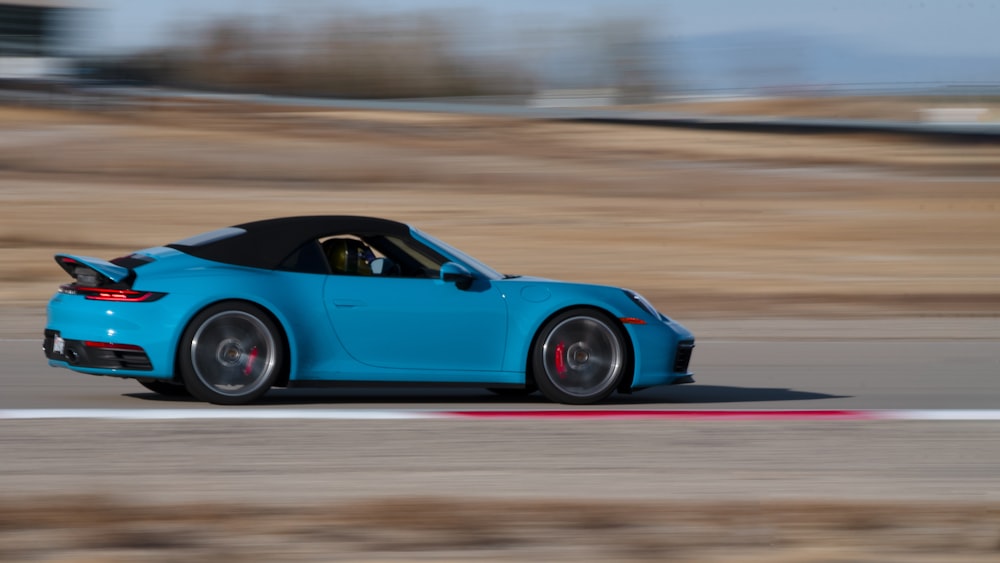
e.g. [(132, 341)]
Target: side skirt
[(321, 383)]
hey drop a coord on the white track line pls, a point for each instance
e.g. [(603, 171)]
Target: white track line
[(953, 414), (576, 414), (202, 414)]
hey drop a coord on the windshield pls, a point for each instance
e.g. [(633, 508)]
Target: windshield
[(458, 255)]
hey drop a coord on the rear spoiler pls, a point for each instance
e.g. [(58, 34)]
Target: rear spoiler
[(101, 280), (92, 272)]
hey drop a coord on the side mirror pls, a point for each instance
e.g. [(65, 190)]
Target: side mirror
[(383, 267), (457, 274)]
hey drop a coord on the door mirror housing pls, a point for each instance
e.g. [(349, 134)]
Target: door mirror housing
[(384, 267), (458, 274)]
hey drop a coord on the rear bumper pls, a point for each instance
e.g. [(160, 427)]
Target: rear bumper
[(99, 356), (101, 338)]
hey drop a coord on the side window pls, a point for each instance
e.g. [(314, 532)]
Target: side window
[(379, 255), (365, 255), (349, 255), (413, 259)]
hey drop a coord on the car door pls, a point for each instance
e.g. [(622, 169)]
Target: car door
[(419, 323)]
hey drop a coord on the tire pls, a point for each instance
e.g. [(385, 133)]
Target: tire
[(231, 353), (166, 388), (579, 357)]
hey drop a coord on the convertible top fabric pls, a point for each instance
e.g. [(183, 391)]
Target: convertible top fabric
[(267, 243)]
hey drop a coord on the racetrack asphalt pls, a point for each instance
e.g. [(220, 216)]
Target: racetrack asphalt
[(740, 365)]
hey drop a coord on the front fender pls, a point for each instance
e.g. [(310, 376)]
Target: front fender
[(653, 340), (532, 302)]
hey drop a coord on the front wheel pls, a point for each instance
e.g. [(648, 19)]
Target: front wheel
[(231, 354), (579, 357)]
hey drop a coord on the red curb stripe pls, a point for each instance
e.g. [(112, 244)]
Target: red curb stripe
[(678, 414), (333, 414)]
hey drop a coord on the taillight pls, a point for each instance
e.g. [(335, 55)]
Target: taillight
[(105, 294), (112, 346)]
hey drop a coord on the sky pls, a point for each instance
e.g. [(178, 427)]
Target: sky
[(913, 27)]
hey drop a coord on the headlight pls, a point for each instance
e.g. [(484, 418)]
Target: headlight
[(644, 304)]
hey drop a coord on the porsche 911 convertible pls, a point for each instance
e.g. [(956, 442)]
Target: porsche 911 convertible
[(333, 300)]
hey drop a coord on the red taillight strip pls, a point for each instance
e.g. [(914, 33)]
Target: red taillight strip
[(734, 414), (632, 321), (112, 346), (116, 295), (105, 294)]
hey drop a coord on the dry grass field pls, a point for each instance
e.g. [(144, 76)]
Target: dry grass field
[(91, 529), (705, 223)]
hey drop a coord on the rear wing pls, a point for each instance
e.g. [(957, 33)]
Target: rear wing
[(101, 280), (93, 272)]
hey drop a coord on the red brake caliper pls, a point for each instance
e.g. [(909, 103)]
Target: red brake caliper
[(249, 367), (560, 358)]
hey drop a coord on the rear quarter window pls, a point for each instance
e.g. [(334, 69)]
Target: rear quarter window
[(210, 237)]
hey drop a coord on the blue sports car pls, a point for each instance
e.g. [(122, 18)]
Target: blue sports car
[(331, 300)]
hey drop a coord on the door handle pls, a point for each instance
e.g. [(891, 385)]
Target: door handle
[(348, 303)]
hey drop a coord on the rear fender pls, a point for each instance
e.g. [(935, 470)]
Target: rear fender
[(280, 321)]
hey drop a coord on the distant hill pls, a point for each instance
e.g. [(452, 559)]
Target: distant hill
[(765, 60)]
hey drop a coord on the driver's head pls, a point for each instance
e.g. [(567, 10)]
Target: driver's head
[(348, 256)]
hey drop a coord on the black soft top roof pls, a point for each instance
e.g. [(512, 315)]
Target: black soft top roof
[(265, 244)]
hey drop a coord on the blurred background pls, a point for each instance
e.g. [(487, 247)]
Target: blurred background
[(797, 162), (628, 51), (795, 181)]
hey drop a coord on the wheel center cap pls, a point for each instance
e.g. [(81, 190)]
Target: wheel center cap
[(578, 355), (229, 352)]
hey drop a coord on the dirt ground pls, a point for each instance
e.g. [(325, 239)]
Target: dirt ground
[(91, 529), (706, 224)]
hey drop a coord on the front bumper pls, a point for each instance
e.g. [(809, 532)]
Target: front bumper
[(682, 356), (662, 354)]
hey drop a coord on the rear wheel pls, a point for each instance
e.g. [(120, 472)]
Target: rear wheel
[(579, 357), (166, 388), (231, 354)]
